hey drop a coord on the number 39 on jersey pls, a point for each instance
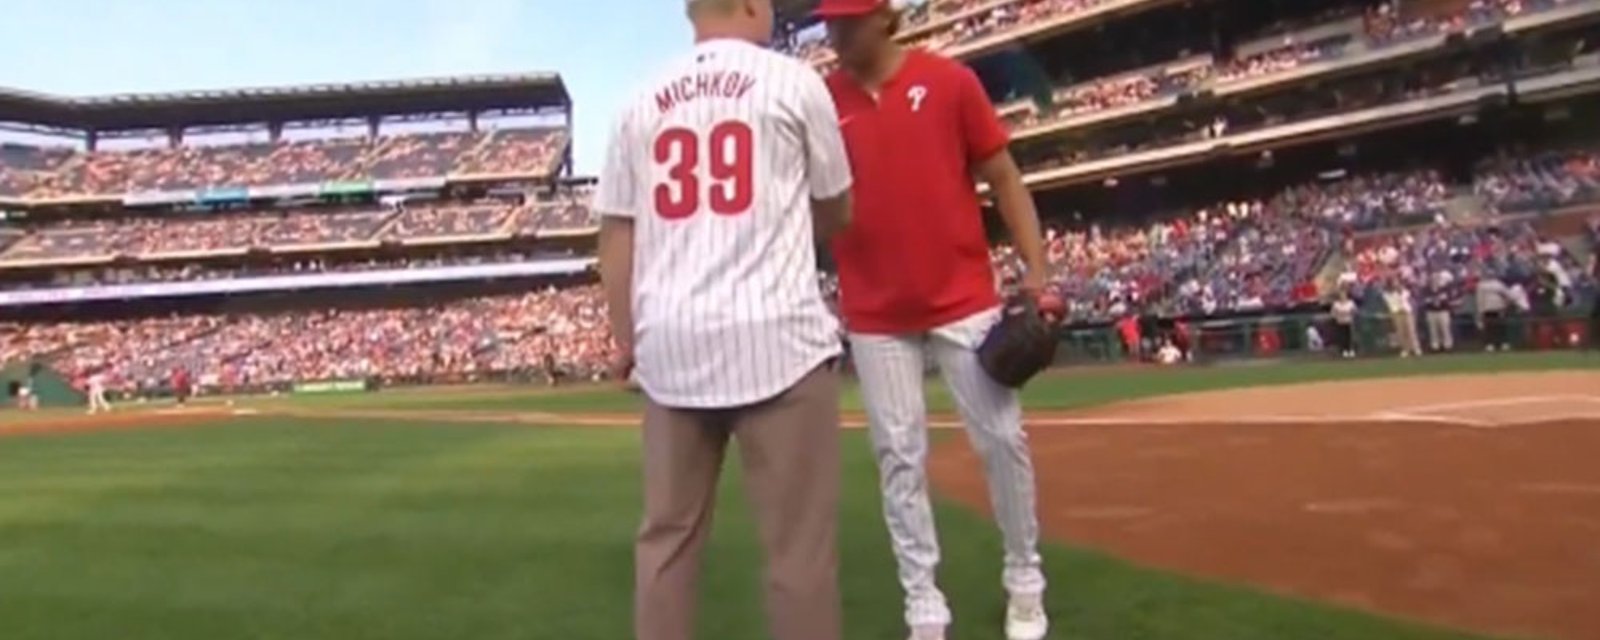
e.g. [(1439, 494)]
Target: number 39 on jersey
[(710, 169)]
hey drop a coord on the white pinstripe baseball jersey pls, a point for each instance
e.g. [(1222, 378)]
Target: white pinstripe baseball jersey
[(716, 162)]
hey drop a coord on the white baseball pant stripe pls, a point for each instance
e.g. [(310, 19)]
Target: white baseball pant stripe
[(890, 369)]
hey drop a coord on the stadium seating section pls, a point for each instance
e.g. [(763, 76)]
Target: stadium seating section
[(1230, 257), (148, 236), (38, 173), (452, 341), (942, 24), (1289, 250)]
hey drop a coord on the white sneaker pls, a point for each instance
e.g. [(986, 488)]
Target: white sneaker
[(1026, 619), (927, 632)]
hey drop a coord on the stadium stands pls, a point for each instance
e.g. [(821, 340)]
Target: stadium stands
[(184, 271), (1459, 255), (1271, 56), (53, 173), (1543, 180), (1232, 257), (152, 236), (467, 339), (1252, 249)]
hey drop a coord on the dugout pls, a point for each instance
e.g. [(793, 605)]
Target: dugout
[(52, 388)]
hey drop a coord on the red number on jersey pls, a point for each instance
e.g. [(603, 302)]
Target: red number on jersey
[(730, 151), (679, 197)]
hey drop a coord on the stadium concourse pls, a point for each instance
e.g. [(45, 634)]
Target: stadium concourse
[(1201, 161)]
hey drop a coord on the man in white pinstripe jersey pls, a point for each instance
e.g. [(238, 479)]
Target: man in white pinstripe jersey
[(916, 281), (721, 175)]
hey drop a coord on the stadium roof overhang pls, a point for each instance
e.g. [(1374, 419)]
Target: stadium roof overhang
[(131, 111)]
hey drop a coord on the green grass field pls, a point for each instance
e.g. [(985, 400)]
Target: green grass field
[(341, 529)]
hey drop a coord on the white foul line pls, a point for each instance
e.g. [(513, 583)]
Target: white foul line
[(1512, 401)]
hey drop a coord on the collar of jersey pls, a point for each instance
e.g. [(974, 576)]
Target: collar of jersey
[(719, 43)]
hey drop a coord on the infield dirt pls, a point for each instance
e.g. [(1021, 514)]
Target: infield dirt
[(1468, 501)]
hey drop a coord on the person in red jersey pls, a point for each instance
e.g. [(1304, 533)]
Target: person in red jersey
[(181, 385), (915, 283)]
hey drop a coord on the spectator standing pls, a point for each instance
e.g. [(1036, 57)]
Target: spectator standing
[(181, 385), (1544, 302), (1401, 312), (1493, 300), (1344, 324), (1438, 302), (1128, 330)]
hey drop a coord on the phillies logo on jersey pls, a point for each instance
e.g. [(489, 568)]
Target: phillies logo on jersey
[(916, 93)]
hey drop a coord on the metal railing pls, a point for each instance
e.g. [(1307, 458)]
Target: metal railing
[(1288, 335)]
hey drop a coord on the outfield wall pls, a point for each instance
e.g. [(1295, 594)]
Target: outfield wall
[(1278, 335)]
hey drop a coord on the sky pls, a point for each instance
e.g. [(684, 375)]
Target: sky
[(88, 47)]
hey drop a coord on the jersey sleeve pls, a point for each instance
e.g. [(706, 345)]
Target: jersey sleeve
[(616, 192), (827, 164), (980, 125)]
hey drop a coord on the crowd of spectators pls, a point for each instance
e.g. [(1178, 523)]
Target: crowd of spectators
[(1383, 27), (199, 272), (1231, 257), (1431, 78), (1370, 200), (450, 220), (1453, 257), (1386, 24), (1109, 93), (190, 232), (1291, 55), (52, 173), (969, 26), (1271, 262), (461, 340), (1234, 257), (1544, 180), (564, 211), (1104, 274)]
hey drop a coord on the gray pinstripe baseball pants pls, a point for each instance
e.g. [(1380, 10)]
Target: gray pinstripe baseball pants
[(891, 370)]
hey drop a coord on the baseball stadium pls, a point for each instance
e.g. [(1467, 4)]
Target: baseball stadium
[(333, 361)]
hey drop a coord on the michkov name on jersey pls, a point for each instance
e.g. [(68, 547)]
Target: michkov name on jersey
[(707, 84)]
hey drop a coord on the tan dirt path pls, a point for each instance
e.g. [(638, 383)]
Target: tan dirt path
[(1470, 501)]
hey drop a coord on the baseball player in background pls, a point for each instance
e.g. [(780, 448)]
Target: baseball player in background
[(916, 282), (97, 393), (721, 175)]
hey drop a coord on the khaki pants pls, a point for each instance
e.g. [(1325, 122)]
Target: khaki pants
[(1405, 332), (1441, 337), (789, 448)]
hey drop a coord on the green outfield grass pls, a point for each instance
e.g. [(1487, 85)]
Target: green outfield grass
[(1062, 389), (341, 529)]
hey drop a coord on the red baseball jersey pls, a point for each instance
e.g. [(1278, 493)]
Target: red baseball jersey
[(915, 256)]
